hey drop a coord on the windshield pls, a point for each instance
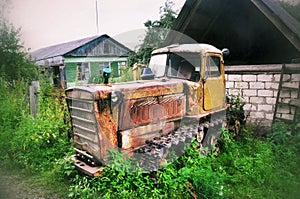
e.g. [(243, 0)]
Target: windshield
[(158, 64), (177, 65)]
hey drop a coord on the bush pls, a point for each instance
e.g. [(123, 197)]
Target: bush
[(35, 143)]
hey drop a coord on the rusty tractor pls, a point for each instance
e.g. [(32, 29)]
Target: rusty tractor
[(180, 98)]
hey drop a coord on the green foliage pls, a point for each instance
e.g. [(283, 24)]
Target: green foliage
[(279, 134), (235, 115), (156, 33), (96, 79), (126, 75), (14, 104), (35, 143), (14, 62)]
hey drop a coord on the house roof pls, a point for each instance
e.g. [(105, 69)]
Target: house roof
[(60, 49), (69, 47), (255, 31)]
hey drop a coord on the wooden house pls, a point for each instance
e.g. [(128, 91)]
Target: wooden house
[(76, 62)]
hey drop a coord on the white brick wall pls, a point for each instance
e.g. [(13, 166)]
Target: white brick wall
[(259, 90)]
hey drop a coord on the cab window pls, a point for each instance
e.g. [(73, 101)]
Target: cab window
[(213, 66), (184, 66)]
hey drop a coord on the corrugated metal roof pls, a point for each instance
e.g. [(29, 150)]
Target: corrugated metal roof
[(61, 49)]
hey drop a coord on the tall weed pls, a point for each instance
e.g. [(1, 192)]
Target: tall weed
[(35, 143)]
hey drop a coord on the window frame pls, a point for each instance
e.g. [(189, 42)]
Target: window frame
[(209, 66)]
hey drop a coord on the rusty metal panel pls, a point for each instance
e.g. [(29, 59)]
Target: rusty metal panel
[(107, 126), (137, 90), (84, 122), (194, 98), (139, 112), (136, 137)]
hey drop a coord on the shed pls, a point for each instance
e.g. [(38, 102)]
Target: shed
[(76, 62), (255, 31)]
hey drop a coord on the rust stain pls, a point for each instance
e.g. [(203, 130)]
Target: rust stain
[(138, 112), (107, 127), (136, 137)]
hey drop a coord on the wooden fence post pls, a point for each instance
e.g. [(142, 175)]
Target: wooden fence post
[(34, 90)]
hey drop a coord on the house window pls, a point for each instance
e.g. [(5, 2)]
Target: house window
[(83, 71), (103, 65)]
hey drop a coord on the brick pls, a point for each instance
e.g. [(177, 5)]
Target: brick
[(287, 116), (265, 107), (241, 85), (271, 85), (229, 84), (285, 100), (257, 115), (285, 110), (295, 77), (266, 93), (257, 85), (248, 92), (264, 78), (285, 93), (293, 109), (234, 78), (271, 100), (234, 91), (265, 122), (249, 78), (276, 78), (257, 100), (294, 94), (250, 107), (269, 116), (246, 99), (291, 84), (286, 78)]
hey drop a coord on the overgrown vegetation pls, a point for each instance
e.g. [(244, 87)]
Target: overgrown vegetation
[(246, 167)]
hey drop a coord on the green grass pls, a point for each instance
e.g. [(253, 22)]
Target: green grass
[(246, 167)]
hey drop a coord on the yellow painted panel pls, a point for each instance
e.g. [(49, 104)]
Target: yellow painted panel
[(214, 93)]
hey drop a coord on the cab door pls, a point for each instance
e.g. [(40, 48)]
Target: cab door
[(213, 82)]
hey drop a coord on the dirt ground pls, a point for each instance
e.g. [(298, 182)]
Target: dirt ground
[(14, 186)]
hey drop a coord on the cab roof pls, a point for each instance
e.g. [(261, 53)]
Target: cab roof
[(193, 48)]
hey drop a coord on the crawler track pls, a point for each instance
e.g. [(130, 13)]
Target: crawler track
[(164, 149)]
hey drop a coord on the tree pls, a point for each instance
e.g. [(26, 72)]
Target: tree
[(15, 63), (155, 35)]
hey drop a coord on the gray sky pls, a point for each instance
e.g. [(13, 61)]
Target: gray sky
[(48, 22)]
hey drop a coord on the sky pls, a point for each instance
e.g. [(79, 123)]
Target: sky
[(48, 22)]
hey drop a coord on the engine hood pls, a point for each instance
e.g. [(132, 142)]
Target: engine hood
[(129, 90)]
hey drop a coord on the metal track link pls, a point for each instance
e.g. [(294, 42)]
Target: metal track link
[(160, 149)]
